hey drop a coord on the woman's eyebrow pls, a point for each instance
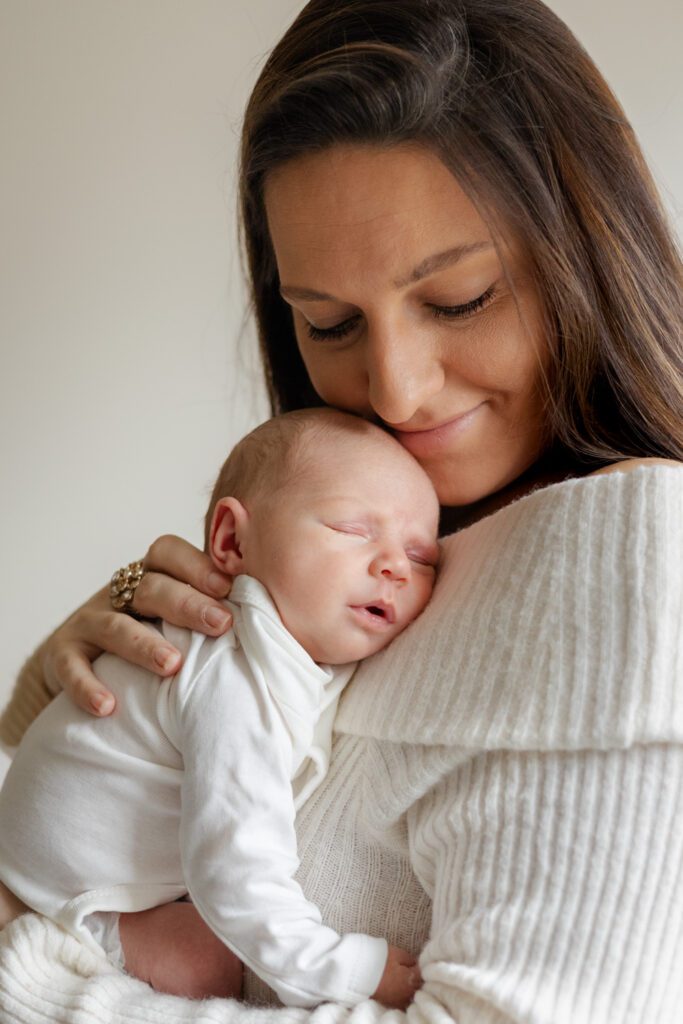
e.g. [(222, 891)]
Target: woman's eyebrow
[(288, 291), (429, 265), (441, 260)]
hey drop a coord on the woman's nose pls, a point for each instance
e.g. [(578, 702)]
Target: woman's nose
[(404, 372)]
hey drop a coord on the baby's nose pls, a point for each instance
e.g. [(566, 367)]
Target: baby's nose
[(392, 565)]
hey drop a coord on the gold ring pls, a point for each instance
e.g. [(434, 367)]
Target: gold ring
[(124, 583)]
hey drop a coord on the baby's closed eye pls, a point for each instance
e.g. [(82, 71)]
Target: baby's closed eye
[(421, 558), (352, 529)]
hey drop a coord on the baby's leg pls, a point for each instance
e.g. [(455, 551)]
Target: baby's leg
[(173, 950)]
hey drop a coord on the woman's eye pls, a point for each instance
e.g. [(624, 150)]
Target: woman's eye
[(327, 333), (465, 309), (460, 312)]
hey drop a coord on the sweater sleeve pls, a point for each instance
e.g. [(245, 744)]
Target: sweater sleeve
[(30, 695), (239, 851), (557, 887)]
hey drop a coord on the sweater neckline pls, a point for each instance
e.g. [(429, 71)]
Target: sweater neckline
[(550, 491), (538, 635)]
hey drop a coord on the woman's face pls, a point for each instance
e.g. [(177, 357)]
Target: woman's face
[(403, 312)]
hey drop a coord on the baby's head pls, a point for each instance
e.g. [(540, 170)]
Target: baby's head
[(337, 521)]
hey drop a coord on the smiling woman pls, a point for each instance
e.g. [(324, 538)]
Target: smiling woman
[(474, 135), (404, 311)]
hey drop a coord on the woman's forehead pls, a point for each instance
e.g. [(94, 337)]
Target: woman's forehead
[(362, 198)]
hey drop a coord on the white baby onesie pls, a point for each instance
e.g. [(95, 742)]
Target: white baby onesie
[(190, 787)]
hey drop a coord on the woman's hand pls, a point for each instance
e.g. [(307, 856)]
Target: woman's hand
[(180, 584)]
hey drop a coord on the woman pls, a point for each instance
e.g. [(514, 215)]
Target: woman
[(450, 229)]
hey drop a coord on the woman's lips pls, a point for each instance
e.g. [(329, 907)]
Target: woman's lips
[(435, 439)]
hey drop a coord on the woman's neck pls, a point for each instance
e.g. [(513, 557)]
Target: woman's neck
[(551, 468)]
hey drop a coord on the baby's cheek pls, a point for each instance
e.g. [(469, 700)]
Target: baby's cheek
[(424, 595)]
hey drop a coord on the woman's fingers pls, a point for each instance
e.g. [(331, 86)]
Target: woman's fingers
[(162, 597), (180, 585), (175, 557), (68, 668), (93, 628), (135, 642)]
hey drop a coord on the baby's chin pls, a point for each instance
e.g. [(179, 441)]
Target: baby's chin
[(343, 641), (355, 648)]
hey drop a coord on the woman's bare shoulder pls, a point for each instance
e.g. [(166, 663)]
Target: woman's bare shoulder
[(629, 464)]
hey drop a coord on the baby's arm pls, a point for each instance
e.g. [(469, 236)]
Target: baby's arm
[(239, 850)]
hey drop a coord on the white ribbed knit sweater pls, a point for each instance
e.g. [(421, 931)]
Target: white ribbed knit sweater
[(505, 793)]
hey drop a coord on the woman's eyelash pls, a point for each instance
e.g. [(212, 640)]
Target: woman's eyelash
[(439, 312), (466, 309), (338, 331)]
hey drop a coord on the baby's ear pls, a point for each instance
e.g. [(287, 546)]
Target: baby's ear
[(229, 526)]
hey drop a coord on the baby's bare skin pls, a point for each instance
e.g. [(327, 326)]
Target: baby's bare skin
[(173, 950)]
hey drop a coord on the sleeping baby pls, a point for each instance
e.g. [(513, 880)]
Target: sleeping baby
[(186, 795)]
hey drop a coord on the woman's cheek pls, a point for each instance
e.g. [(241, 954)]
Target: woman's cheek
[(336, 379)]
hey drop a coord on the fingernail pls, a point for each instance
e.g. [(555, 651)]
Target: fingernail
[(166, 659), (102, 703), (216, 618), (218, 583)]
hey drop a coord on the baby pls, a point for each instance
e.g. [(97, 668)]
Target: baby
[(190, 787)]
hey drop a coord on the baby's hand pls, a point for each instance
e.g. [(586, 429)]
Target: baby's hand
[(400, 981)]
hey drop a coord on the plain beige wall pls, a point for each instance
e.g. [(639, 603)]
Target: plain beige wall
[(125, 362)]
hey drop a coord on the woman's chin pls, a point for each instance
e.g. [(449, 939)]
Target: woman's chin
[(460, 486), (466, 484)]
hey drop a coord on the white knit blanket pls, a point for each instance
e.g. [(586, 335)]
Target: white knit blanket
[(48, 976)]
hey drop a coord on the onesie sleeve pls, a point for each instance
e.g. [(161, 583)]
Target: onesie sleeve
[(239, 851)]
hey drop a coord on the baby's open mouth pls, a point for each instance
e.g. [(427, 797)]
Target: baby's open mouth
[(381, 611)]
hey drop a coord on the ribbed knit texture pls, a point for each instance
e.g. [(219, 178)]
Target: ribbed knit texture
[(505, 793)]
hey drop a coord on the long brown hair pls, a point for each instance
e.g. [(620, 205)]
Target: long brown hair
[(513, 105)]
